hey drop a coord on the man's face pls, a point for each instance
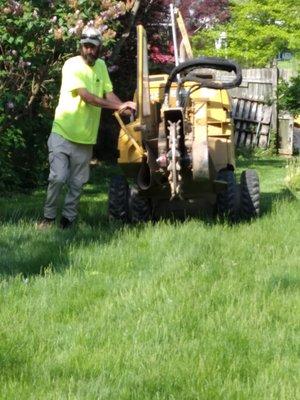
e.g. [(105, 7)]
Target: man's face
[(90, 53)]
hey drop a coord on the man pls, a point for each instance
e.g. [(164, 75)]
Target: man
[(85, 89)]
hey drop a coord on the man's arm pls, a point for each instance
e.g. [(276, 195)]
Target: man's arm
[(110, 101), (113, 97)]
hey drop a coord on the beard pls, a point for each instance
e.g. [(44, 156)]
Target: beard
[(90, 59)]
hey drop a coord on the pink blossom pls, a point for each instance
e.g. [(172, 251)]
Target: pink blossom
[(104, 15), (159, 58), (103, 28), (155, 50), (16, 7), (171, 48)]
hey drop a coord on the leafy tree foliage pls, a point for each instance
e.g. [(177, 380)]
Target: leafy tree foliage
[(197, 15), (289, 95), (203, 14), (256, 32)]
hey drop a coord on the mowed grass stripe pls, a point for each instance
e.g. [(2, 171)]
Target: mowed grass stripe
[(188, 310)]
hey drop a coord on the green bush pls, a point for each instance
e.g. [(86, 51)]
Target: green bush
[(289, 95)]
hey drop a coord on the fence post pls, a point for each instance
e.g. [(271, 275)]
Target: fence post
[(274, 123)]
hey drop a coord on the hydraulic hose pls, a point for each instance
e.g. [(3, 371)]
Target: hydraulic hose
[(219, 64)]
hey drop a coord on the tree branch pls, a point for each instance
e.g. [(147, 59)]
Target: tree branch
[(126, 33)]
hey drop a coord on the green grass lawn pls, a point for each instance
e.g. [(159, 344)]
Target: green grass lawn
[(193, 310)]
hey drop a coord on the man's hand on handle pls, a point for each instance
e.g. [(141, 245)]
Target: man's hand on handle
[(127, 108)]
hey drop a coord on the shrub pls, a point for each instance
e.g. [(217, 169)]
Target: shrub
[(289, 95)]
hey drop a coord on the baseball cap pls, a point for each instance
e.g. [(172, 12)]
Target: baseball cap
[(91, 35)]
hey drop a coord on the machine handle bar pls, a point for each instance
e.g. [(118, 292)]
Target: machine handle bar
[(219, 64)]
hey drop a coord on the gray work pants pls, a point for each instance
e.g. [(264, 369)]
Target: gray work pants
[(69, 163)]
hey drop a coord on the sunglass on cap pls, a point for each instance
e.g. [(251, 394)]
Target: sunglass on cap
[(94, 37)]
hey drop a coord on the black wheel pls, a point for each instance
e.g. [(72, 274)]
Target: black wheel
[(250, 194), (140, 207), (118, 199), (227, 200)]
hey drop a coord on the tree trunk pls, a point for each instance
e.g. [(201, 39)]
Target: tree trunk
[(126, 33)]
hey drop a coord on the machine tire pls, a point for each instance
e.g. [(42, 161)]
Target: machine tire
[(118, 208), (140, 207), (227, 200), (250, 194)]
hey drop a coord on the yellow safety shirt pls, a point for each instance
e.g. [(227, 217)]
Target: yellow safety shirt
[(74, 119)]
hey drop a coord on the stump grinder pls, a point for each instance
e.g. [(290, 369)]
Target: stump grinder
[(178, 151)]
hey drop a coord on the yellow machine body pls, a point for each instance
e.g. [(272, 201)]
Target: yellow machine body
[(208, 113), (180, 137), (178, 149)]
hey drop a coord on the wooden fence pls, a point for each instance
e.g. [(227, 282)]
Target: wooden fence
[(254, 105)]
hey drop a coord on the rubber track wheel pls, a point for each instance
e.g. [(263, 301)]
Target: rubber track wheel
[(227, 199), (140, 207), (118, 198), (250, 194)]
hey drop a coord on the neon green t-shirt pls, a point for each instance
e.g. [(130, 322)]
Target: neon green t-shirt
[(74, 119)]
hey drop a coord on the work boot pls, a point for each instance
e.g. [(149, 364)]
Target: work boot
[(65, 223), (45, 223)]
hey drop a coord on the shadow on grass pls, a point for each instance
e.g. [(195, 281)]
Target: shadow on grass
[(30, 256), (260, 162), (267, 199), (284, 282), (26, 251)]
